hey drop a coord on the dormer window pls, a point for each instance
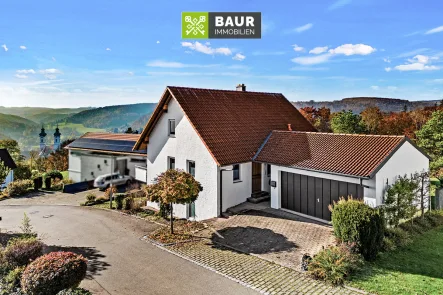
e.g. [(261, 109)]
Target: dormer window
[(172, 128)]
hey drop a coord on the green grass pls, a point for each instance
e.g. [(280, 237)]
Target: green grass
[(78, 127), (413, 269)]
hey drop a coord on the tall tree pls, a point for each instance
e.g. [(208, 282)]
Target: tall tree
[(13, 149), (174, 187), (430, 136), (372, 117), (346, 122)]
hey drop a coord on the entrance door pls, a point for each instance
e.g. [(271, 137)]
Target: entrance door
[(256, 177)]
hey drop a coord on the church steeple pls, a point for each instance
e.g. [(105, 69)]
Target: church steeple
[(57, 135), (42, 138)]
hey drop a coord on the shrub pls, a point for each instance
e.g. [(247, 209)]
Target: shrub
[(11, 282), (75, 291), (22, 172), (101, 200), (119, 200), (334, 264), (127, 203), (90, 197), (356, 222), (395, 238), (18, 187), (108, 191), (54, 174), (20, 252), (53, 272)]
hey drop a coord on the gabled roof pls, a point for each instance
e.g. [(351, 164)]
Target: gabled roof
[(348, 154), (232, 124), (6, 158), (117, 143)]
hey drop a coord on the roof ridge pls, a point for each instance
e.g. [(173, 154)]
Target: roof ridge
[(348, 134), (224, 90)]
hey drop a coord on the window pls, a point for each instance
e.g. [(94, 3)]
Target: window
[(171, 127), (191, 210), (191, 168), (236, 172), (171, 163), (268, 170)]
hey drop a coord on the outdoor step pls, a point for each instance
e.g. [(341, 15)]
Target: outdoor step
[(259, 197)]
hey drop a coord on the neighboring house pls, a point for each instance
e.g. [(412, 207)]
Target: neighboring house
[(96, 154), (6, 158), (226, 140)]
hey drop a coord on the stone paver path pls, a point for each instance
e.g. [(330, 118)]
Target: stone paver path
[(258, 274), (272, 237)]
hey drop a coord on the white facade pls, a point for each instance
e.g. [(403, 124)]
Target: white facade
[(185, 146), (406, 160), (86, 166), (236, 192)]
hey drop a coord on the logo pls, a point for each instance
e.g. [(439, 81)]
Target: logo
[(221, 25), (195, 25)]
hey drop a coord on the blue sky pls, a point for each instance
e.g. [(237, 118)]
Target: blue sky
[(97, 53)]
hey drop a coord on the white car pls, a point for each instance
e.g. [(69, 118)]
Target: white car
[(104, 181)]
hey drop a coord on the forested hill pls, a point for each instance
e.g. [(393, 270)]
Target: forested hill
[(111, 116), (358, 104), (41, 115), (14, 126)]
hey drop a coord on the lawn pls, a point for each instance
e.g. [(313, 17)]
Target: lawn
[(414, 269)]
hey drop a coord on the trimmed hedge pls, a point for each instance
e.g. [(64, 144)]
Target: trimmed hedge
[(53, 272), (20, 252), (356, 222), (54, 174), (118, 198)]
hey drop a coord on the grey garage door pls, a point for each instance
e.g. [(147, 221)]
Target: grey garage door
[(312, 195)]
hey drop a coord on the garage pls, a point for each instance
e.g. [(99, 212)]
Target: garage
[(312, 195)]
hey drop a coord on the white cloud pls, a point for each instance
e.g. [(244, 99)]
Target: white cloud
[(131, 73), (418, 63), (352, 49), (206, 49), (312, 60), (23, 47), (387, 60), (318, 50), (338, 4), (173, 64), (50, 73), (388, 69), (4, 47), (375, 87), (268, 53), (108, 49), (309, 69), (392, 88), (21, 76), (435, 30), (30, 71), (298, 48), (158, 42), (239, 57), (303, 28)]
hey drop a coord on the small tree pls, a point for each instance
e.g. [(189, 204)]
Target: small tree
[(4, 171), (423, 190), (174, 187), (399, 202), (346, 122)]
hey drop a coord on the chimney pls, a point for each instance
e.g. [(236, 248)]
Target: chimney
[(289, 127), (241, 87)]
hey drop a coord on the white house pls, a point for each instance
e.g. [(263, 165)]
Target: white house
[(6, 158), (241, 143), (97, 153)]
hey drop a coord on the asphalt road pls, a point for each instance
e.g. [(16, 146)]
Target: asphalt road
[(119, 262)]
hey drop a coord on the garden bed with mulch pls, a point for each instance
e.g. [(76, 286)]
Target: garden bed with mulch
[(184, 231)]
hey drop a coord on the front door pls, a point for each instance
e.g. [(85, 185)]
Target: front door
[(256, 177)]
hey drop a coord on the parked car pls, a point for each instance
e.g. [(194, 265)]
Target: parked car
[(104, 181)]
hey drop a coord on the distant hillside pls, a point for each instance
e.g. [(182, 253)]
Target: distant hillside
[(15, 126), (140, 123), (358, 104), (41, 115), (112, 116)]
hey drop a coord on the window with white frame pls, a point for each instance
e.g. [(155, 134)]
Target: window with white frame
[(171, 127)]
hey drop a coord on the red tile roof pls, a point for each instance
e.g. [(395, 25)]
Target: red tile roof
[(232, 124), (355, 155)]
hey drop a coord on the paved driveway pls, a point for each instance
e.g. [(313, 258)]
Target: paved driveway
[(50, 198), (119, 262)]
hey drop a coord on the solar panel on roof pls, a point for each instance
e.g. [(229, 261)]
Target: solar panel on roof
[(124, 146)]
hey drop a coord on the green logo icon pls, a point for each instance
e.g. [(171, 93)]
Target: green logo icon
[(195, 25)]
